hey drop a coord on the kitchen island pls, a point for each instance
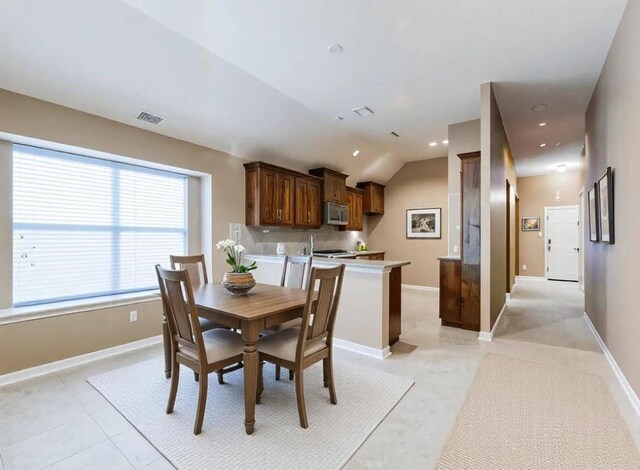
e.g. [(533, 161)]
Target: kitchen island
[(369, 316)]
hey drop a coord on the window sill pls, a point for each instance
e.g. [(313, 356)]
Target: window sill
[(37, 312)]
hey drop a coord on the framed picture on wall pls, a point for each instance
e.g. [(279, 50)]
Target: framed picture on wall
[(593, 213), (423, 223), (605, 204), (531, 224)]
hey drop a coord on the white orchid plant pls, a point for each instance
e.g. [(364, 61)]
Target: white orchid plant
[(234, 256)]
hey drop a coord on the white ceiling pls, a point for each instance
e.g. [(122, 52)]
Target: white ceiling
[(254, 78)]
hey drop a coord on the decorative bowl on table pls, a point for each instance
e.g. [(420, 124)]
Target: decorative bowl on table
[(238, 283)]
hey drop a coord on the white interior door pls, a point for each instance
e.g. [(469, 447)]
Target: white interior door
[(562, 243)]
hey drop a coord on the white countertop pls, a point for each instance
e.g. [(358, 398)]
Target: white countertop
[(351, 264)]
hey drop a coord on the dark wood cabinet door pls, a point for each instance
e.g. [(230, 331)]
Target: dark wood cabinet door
[(377, 199), (314, 203), (450, 311), (470, 254), (269, 208), (357, 211), (285, 196), (302, 202), (351, 219)]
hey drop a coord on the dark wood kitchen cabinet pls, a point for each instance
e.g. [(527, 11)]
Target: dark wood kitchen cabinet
[(269, 196), (334, 185), (354, 203), (450, 283), (308, 202), (373, 197)]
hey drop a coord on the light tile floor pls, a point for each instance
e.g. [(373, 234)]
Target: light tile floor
[(59, 421)]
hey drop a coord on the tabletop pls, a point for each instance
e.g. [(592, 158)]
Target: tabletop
[(262, 301)]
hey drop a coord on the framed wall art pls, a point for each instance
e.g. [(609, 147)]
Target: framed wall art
[(531, 224), (593, 214), (605, 207), (423, 223)]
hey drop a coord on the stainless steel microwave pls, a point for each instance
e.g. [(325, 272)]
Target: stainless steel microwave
[(335, 214)]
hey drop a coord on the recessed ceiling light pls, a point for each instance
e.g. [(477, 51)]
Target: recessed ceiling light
[(561, 168), (543, 145), (433, 144), (335, 48), (558, 144), (363, 111), (539, 107), (445, 142), (542, 124), (356, 153), (338, 118)]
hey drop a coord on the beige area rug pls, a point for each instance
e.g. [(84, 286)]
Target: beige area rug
[(523, 415), (365, 397)]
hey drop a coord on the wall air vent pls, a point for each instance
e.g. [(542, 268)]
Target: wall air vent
[(363, 111), (150, 118), (395, 134)]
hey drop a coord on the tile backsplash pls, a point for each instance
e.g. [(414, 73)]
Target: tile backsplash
[(263, 240)]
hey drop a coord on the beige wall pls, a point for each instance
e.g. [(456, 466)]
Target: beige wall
[(496, 168), (416, 185), (65, 336), (536, 193), (612, 139), (464, 137)]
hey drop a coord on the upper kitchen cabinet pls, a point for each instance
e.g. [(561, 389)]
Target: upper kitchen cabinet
[(354, 203), (308, 202), (270, 192), (373, 197), (334, 185)]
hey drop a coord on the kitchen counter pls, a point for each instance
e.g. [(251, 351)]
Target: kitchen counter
[(351, 254), (369, 315)]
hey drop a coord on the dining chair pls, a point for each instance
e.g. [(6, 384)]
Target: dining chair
[(295, 271), (201, 352), (196, 266), (298, 348)]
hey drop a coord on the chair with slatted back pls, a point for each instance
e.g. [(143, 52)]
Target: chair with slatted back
[(196, 266), (298, 348), (202, 352), (294, 273)]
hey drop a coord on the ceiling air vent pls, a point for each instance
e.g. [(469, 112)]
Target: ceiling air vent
[(150, 118), (363, 112), (394, 133)]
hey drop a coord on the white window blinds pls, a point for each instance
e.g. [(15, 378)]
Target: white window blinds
[(85, 227)]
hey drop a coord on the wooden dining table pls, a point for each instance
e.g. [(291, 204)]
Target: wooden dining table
[(263, 307)]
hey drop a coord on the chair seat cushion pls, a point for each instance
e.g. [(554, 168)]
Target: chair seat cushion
[(219, 344), (283, 344), (206, 324)]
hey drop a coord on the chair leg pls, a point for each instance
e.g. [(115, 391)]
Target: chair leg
[(196, 377), (291, 375), (220, 375), (166, 340), (202, 404), (278, 372), (325, 378), (302, 410), (260, 387), (175, 377), (332, 386)]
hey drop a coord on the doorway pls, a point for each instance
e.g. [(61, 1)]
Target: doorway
[(582, 216), (562, 237)]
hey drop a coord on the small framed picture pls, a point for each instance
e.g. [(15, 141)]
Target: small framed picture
[(423, 223), (593, 214), (605, 204), (531, 224)]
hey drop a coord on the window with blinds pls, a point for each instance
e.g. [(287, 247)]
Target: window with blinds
[(85, 227)]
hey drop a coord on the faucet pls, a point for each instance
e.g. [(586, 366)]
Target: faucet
[(311, 244)]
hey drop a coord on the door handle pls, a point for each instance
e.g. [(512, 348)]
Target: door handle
[(549, 245), (577, 249)]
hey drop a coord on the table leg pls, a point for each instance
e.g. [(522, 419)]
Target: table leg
[(250, 331)]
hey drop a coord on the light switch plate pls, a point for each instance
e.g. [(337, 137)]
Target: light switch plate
[(524, 267), (456, 248), (133, 316)]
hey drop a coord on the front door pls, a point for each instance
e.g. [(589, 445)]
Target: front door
[(562, 243)]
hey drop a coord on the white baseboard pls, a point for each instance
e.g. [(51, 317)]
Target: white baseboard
[(57, 366), (633, 398), (360, 349), (423, 288), (530, 278), (488, 336)]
